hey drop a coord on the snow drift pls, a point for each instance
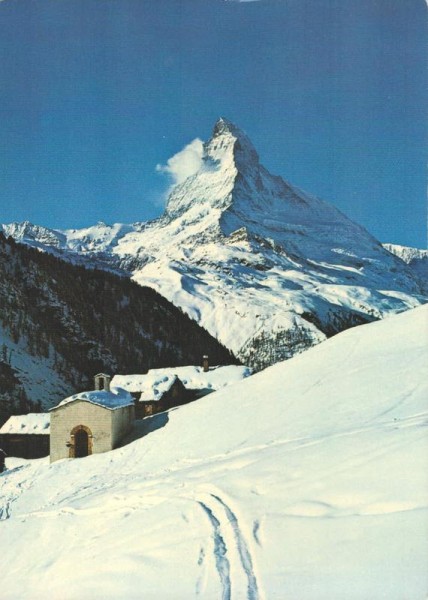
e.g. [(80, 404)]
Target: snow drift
[(306, 481)]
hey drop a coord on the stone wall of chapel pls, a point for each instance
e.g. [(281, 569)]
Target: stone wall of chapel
[(122, 423), (65, 418)]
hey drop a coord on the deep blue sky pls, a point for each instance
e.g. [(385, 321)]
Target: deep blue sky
[(95, 93)]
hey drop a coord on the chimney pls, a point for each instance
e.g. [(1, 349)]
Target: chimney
[(102, 382), (205, 364)]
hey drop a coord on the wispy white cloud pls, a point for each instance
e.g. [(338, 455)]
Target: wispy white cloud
[(185, 163)]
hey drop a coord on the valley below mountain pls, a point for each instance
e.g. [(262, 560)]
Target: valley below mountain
[(60, 324)]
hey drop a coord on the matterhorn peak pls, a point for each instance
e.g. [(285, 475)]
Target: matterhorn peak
[(227, 155), (224, 126), (228, 140), (266, 268)]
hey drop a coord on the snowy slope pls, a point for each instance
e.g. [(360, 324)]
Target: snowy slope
[(307, 481), (266, 268)]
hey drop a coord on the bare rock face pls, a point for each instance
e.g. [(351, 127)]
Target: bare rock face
[(265, 267)]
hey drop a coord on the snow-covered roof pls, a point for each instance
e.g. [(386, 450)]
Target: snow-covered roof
[(116, 398), (151, 386), (192, 377), (33, 423)]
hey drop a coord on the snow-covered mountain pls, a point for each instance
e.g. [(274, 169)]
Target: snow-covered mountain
[(416, 258), (304, 482), (406, 253), (91, 246), (266, 268)]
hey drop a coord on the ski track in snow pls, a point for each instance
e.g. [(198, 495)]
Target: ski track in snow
[(5, 511), (220, 550), (256, 528), (243, 551), (229, 541)]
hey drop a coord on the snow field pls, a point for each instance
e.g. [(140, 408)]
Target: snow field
[(306, 481)]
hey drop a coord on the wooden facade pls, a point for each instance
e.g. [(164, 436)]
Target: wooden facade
[(24, 445), (2, 460), (26, 436), (174, 396)]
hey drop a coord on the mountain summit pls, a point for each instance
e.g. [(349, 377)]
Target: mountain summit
[(266, 268), (232, 190), (226, 155), (226, 133)]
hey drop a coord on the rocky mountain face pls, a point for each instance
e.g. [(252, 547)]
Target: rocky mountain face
[(60, 324), (267, 269)]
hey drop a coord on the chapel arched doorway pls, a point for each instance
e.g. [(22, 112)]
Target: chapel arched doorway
[(81, 442)]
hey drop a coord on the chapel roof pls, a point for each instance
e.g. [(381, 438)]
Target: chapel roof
[(112, 400)]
